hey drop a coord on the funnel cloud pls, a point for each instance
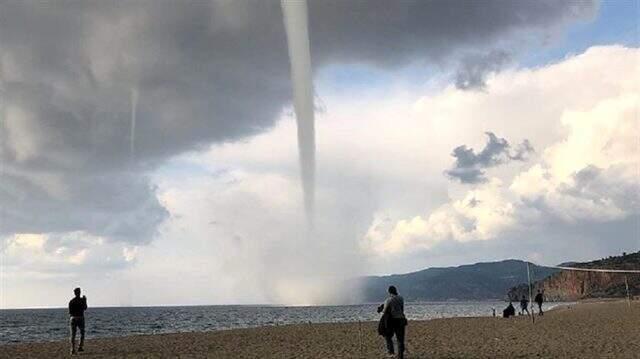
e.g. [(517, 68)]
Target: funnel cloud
[(296, 26)]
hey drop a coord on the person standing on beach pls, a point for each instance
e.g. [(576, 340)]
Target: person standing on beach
[(396, 323), (539, 299), (524, 305), (509, 311), (77, 306)]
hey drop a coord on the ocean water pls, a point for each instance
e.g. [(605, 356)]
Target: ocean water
[(29, 325)]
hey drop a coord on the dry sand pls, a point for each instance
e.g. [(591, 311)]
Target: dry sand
[(590, 330)]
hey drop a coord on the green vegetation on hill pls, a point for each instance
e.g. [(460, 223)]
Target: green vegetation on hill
[(480, 281), (625, 261)]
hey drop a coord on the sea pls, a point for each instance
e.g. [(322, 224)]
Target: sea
[(39, 325)]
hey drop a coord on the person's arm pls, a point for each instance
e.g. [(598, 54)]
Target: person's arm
[(70, 307), (385, 308), (84, 302)]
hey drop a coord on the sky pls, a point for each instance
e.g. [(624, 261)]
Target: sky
[(149, 154)]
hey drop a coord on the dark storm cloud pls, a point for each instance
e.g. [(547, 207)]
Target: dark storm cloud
[(205, 72), (604, 187), (67, 73), (475, 68), (391, 34), (469, 166), (119, 206)]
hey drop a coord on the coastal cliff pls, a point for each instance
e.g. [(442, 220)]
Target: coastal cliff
[(576, 285)]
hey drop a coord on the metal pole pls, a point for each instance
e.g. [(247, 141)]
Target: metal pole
[(360, 337), (626, 284), (533, 317)]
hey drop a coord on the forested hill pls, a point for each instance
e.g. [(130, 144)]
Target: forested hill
[(480, 281)]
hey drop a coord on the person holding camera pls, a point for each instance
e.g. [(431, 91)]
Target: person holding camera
[(77, 306)]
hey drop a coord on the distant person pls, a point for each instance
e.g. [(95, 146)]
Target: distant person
[(524, 305), (509, 311), (77, 306), (539, 299), (394, 323)]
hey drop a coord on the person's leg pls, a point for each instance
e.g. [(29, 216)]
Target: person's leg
[(72, 326), (81, 325), (389, 340), (399, 330)]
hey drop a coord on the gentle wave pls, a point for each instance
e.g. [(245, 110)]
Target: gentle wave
[(37, 325)]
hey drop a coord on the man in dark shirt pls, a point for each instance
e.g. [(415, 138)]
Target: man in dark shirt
[(77, 306), (524, 305), (539, 299), (395, 322)]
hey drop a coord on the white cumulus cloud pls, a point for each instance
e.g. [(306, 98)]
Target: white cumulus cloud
[(588, 169)]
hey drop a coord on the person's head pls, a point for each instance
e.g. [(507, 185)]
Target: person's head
[(539, 291), (523, 297), (76, 292), (393, 290)]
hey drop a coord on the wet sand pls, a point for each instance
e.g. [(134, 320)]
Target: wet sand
[(588, 330)]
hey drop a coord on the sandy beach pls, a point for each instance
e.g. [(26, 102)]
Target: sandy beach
[(586, 330)]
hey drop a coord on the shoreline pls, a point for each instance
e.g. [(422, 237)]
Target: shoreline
[(581, 330), (453, 301), (101, 335)]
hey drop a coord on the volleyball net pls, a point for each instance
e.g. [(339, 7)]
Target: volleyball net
[(617, 277)]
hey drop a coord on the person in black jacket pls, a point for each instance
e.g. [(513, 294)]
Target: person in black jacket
[(393, 321), (509, 311), (524, 305), (77, 306), (539, 299)]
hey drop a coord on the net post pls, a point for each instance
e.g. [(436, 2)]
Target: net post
[(360, 338), (533, 317), (626, 284)]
